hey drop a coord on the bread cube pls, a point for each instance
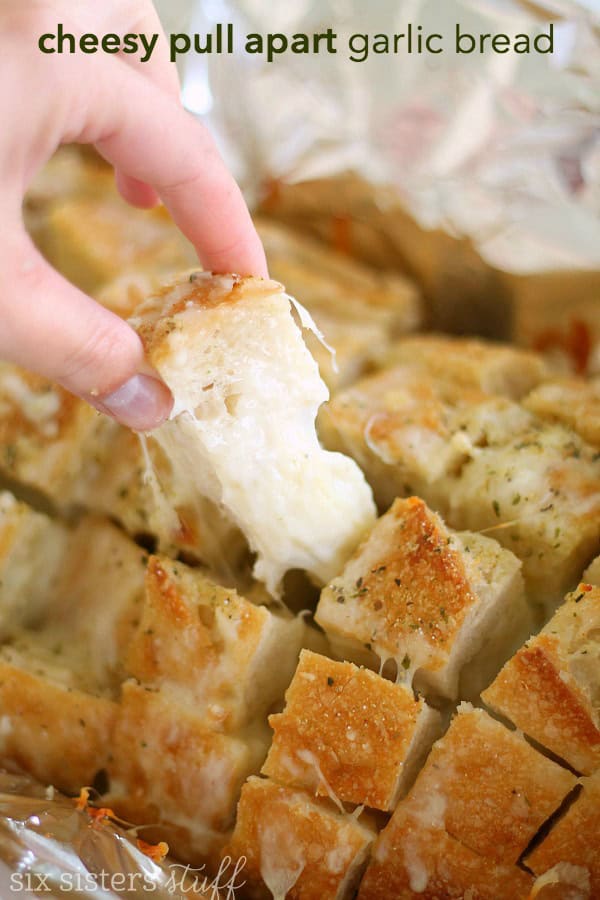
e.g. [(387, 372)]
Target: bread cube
[(69, 173), (359, 310), (32, 548), (349, 734), (44, 433), (492, 368), (539, 495), (550, 688), (409, 429), (76, 588), (168, 767), (49, 725), (96, 604), (489, 788), (296, 847), (231, 658), (570, 401), (335, 284), (414, 858), (571, 849), (435, 601), (242, 430), (92, 241)]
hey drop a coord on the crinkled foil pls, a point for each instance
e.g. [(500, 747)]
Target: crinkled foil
[(49, 848), (501, 148)]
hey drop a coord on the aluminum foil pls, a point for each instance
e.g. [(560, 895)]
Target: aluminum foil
[(49, 848), (504, 149)]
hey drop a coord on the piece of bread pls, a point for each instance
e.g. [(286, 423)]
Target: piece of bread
[(44, 434), (348, 734), (573, 401), (167, 762), (493, 368), (484, 462), (32, 548), (296, 847), (92, 241), (415, 858), (539, 495), (572, 847), (68, 174), (97, 598), (50, 726), (489, 788), (78, 588), (409, 429), (230, 658), (432, 600), (242, 430), (336, 284), (359, 310), (550, 689)]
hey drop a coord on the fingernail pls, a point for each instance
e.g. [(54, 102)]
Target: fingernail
[(141, 403)]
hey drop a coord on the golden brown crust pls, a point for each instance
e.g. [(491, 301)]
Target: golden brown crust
[(411, 860), (156, 318), (58, 733), (345, 732), (413, 592), (230, 658), (424, 596), (164, 756), (303, 850), (548, 688), (574, 838), (492, 789)]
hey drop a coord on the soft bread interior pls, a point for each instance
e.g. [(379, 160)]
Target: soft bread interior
[(242, 432)]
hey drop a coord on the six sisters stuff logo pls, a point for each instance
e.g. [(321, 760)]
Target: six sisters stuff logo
[(183, 880)]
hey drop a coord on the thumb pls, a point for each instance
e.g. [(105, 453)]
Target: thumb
[(52, 328)]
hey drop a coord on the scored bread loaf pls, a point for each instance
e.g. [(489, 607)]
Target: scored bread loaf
[(242, 431)]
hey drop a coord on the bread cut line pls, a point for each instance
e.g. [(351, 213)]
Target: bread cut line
[(242, 431)]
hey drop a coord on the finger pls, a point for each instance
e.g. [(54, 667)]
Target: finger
[(87, 349), (163, 73), (171, 151), (136, 192)]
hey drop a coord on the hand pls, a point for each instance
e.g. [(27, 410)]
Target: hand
[(132, 114)]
